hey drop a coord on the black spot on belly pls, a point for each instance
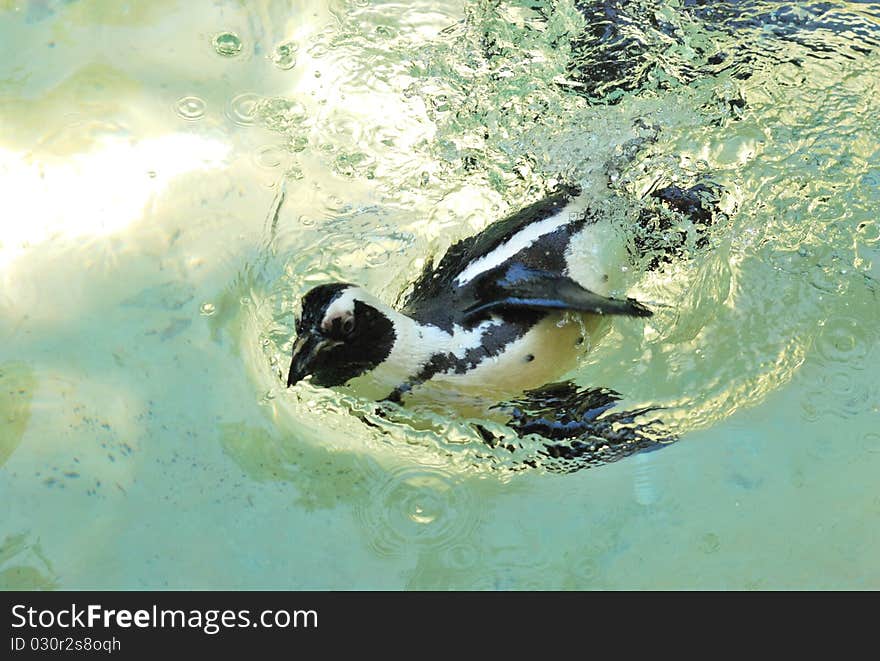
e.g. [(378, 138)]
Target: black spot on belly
[(530, 357), (579, 341)]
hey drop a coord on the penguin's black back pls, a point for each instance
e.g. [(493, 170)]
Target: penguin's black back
[(437, 299)]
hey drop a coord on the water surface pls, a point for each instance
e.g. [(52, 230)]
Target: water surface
[(175, 175)]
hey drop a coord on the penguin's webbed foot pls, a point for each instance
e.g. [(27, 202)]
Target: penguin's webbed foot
[(581, 426)]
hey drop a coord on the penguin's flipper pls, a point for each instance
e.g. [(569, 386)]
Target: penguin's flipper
[(520, 287)]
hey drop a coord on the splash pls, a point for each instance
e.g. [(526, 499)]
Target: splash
[(433, 136)]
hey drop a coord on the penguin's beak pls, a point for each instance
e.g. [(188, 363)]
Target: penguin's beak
[(305, 350)]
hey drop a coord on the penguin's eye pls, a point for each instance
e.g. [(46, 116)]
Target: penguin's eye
[(348, 325)]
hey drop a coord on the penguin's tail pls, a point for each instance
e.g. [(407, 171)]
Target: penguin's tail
[(581, 427)]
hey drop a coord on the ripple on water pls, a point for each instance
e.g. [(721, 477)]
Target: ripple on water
[(871, 441), (837, 392), (242, 109), (836, 384), (460, 557), (191, 108), (420, 507), (269, 156), (318, 50), (844, 340), (843, 350), (376, 255), (333, 204)]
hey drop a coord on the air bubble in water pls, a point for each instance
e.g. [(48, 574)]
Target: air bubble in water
[(284, 56), (227, 44)]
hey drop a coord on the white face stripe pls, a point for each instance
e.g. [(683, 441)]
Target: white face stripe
[(519, 241), (343, 306)]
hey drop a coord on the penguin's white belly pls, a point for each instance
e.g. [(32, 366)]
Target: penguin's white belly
[(546, 352)]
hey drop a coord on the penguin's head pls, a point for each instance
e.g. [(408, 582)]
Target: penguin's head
[(342, 333)]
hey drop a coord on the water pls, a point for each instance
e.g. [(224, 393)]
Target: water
[(169, 193)]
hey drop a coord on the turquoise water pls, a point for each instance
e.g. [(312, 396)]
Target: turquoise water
[(174, 176)]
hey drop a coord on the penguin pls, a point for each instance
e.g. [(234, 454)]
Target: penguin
[(503, 313)]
